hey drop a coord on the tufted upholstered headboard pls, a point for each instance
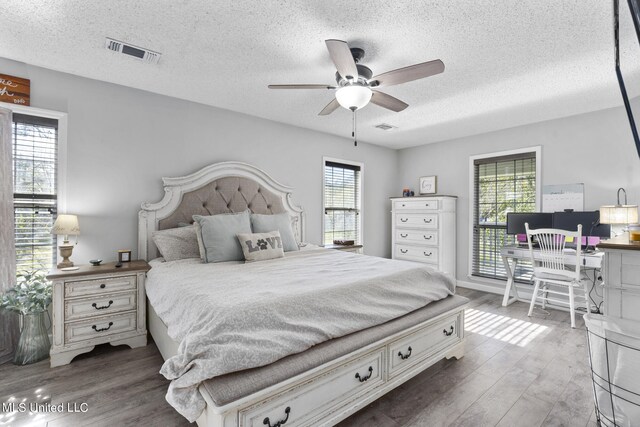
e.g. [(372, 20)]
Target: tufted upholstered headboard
[(220, 188)]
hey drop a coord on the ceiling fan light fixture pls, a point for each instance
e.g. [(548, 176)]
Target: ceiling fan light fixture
[(353, 97)]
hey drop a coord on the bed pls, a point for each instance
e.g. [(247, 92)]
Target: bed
[(315, 379)]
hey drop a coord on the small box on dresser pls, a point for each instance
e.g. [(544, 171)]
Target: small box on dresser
[(424, 230), (95, 305)]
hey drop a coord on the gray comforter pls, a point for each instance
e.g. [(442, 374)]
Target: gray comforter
[(233, 316)]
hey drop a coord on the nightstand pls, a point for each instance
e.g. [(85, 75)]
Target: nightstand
[(347, 248), (95, 305)]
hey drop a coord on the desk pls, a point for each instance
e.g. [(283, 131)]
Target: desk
[(511, 255)]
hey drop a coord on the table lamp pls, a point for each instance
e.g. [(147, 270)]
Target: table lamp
[(619, 214), (66, 225)]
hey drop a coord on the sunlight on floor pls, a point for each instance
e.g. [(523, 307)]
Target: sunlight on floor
[(503, 328)]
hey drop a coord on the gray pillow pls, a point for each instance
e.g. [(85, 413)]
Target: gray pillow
[(219, 235), (261, 246), (177, 243), (280, 222)]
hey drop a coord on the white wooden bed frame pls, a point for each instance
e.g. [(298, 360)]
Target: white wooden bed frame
[(328, 393)]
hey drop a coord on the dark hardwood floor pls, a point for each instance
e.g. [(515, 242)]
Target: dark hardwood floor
[(517, 371)]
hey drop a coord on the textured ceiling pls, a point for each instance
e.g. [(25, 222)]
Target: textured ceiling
[(507, 62)]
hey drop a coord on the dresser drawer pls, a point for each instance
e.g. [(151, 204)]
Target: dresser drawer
[(414, 220), (305, 404), (425, 237), (99, 286), (99, 327), (416, 253), (99, 305), (423, 343), (405, 205)]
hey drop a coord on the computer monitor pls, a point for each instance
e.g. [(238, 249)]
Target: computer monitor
[(590, 221), (516, 221)]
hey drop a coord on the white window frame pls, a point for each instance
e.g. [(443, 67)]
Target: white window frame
[(62, 119), (537, 149), (360, 190)]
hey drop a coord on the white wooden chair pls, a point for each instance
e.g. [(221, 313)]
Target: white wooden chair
[(549, 268)]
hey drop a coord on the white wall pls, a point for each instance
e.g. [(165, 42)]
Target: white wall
[(596, 149), (121, 141)]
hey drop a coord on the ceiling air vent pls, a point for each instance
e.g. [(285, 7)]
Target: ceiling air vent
[(386, 127), (140, 53)]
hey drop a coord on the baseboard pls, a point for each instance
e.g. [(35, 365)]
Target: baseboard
[(481, 287)]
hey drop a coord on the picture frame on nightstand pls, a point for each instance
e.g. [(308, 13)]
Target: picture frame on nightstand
[(428, 184), (124, 255)]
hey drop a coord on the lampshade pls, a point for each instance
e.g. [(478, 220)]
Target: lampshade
[(66, 225), (353, 97), (619, 214)]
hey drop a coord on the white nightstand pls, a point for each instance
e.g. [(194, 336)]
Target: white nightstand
[(95, 305)]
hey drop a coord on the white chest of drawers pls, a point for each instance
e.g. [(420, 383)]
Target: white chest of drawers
[(96, 305), (424, 229)]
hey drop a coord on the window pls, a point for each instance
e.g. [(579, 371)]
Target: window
[(342, 189), (501, 184), (35, 159)]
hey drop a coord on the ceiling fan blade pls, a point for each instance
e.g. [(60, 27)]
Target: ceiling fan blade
[(342, 58), (410, 73), (388, 101), (302, 86), (330, 108)]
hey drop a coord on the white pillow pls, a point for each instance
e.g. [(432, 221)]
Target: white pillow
[(177, 243), (261, 246)]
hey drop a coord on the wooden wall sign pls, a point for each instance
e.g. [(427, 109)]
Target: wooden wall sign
[(15, 90)]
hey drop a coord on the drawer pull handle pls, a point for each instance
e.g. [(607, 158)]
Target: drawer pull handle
[(403, 235), (363, 379), (103, 286), (102, 307), (449, 332), (427, 221), (427, 237), (404, 251), (95, 328), (404, 219), (279, 423), (403, 205), (405, 356), (427, 254)]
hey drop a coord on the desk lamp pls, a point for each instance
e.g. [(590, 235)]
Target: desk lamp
[(621, 215)]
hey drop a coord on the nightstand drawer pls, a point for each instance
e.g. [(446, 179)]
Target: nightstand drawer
[(99, 327), (99, 305), (99, 286)]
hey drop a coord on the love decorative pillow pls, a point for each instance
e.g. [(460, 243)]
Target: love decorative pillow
[(261, 246)]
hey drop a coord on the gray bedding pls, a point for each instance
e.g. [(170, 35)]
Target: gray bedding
[(230, 387), (231, 316)]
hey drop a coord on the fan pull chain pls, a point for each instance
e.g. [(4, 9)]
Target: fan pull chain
[(353, 132)]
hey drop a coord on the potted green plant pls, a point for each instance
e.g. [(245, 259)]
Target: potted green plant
[(30, 298)]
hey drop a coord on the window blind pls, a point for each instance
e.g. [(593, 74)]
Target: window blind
[(35, 160), (341, 202), (501, 185)]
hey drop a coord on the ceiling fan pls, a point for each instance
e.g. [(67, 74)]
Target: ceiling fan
[(355, 84)]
